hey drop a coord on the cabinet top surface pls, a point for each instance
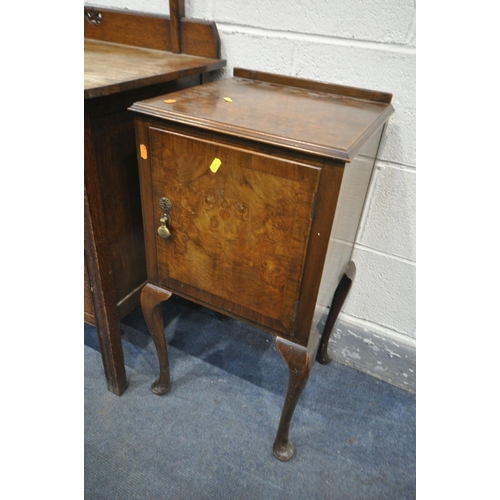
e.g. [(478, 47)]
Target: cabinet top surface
[(311, 121), (110, 68)]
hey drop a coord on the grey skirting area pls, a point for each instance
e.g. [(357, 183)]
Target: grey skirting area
[(384, 358), (211, 436)]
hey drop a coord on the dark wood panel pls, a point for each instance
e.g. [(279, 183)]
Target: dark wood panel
[(147, 199), (112, 128), (101, 105), (237, 142), (129, 28), (116, 170), (239, 231), (111, 68), (198, 37), (310, 121), (247, 229), (128, 57), (88, 305), (331, 88), (176, 10), (99, 268), (326, 205)]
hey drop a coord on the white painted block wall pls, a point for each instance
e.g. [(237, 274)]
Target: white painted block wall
[(363, 43)]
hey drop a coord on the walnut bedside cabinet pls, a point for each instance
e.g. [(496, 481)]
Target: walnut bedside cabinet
[(252, 190)]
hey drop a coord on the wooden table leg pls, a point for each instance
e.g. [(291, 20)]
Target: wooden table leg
[(104, 306), (151, 299), (299, 366), (339, 298)]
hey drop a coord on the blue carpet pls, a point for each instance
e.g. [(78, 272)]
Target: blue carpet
[(211, 436)]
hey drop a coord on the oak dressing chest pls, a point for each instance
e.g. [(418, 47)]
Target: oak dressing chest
[(128, 57)]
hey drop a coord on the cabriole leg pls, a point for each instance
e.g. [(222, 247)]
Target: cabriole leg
[(151, 299), (299, 366), (339, 298)]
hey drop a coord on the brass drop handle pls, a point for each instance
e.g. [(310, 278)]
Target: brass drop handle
[(166, 206)]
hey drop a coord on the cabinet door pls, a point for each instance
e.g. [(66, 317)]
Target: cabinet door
[(239, 223)]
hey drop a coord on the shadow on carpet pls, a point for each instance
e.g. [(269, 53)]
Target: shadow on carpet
[(211, 436)]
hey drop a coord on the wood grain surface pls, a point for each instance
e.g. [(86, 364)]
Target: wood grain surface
[(331, 88), (193, 36), (239, 233), (112, 68), (253, 167), (302, 119), (176, 9), (127, 57), (88, 305)]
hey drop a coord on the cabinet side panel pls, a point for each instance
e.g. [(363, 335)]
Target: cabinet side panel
[(355, 182), (119, 182)]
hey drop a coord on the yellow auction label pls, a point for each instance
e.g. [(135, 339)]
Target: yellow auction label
[(214, 166)]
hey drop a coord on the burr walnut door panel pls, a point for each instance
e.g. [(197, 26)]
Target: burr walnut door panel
[(239, 225)]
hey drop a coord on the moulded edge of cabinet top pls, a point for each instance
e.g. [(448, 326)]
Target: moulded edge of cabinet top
[(312, 117)]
